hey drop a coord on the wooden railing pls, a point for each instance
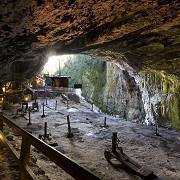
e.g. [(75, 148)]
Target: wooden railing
[(25, 173)]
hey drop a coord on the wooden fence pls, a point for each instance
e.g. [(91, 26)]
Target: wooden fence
[(25, 173)]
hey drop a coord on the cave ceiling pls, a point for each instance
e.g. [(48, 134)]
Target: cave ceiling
[(145, 33)]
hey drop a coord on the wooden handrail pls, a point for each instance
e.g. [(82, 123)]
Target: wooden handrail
[(68, 165)]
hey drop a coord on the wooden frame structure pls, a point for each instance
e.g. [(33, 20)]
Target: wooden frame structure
[(25, 173), (118, 154)]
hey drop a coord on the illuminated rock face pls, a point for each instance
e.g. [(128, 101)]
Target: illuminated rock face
[(146, 32)]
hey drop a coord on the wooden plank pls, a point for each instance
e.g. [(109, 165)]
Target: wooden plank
[(67, 164), (131, 164), (10, 147), (144, 171), (24, 157), (27, 174)]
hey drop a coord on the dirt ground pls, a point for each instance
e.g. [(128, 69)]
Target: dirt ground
[(160, 154)]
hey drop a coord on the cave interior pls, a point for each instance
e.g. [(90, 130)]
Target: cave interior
[(117, 66)]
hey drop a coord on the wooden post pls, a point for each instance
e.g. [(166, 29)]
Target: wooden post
[(43, 115), (24, 157), (69, 135), (105, 122), (92, 106), (114, 141), (29, 111), (55, 105), (64, 162), (45, 129)]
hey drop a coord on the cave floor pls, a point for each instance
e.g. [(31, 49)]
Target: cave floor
[(160, 154)]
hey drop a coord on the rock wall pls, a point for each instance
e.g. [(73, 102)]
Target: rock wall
[(161, 98), (117, 89), (112, 89)]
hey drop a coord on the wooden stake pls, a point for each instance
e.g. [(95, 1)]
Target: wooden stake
[(45, 129), (69, 135), (56, 105), (29, 111), (114, 141), (43, 115), (105, 122)]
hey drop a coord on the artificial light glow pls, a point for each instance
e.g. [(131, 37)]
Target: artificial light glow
[(1, 138), (55, 63), (27, 98), (3, 89), (1, 100)]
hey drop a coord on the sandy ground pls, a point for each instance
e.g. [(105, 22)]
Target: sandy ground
[(160, 154)]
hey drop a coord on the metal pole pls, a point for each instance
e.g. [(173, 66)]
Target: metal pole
[(114, 141), (69, 135)]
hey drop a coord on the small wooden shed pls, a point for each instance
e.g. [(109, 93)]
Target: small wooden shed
[(58, 81)]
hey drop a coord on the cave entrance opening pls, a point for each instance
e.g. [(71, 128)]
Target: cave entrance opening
[(54, 65), (105, 85)]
